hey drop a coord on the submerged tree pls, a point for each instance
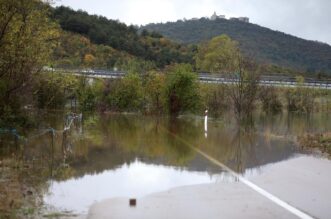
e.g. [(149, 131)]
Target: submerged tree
[(182, 90), (222, 55), (129, 93), (243, 91), (27, 37), (300, 98), (270, 100), (154, 89)]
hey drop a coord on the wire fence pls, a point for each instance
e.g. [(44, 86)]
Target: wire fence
[(67, 126)]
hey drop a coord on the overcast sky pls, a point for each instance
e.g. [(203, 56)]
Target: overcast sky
[(308, 19)]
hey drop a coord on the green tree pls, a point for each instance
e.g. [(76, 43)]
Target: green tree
[(154, 88), (89, 93), (218, 55), (222, 55), (138, 66), (182, 90), (129, 93), (27, 38), (51, 91)]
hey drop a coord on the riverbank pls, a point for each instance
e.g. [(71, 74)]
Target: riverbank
[(320, 141), (18, 197), (22, 187)]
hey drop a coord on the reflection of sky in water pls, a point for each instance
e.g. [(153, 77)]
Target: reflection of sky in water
[(115, 140), (136, 180)]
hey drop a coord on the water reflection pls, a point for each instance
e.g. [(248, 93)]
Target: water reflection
[(134, 180), (240, 148), (107, 156)]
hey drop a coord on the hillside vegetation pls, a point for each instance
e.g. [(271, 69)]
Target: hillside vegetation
[(77, 51), (260, 43), (99, 30)]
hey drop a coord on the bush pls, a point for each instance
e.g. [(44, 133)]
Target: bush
[(89, 93), (182, 90), (214, 97), (300, 99), (270, 100), (53, 90), (154, 89), (128, 94)]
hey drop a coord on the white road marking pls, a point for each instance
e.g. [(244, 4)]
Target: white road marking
[(248, 183)]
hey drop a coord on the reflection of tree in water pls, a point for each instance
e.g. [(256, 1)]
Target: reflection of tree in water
[(301, 123), (111, 141), (230, 147), (243, 148), (182, 129)]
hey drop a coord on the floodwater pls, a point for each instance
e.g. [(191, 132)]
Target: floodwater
[(110, 156)]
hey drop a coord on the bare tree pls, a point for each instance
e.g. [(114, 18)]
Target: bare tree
[(222, 55), (243, 89)]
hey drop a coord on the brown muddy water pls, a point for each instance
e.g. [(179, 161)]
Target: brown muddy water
[(110, 156)]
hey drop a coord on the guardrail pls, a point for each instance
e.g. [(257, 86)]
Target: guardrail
[(265, 80)]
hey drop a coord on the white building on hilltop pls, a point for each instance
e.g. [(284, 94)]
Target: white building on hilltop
[(215, 16)]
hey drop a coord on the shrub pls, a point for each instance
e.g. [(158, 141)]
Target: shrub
[(89, 93), (129, 93), (214, 97), (182, 90), (270, 100), (154, 89), (300, 99), (53, 90)]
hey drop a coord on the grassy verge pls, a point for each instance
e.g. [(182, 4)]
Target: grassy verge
[(19, 198), (321, 141)]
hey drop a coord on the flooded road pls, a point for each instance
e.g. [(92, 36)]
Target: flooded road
[(288, 189), (133, 180), (106, 157)]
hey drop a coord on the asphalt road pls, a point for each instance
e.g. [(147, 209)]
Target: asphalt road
[(302, 183)]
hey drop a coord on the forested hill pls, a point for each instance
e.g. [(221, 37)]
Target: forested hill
[(261, 43), (100, 30)]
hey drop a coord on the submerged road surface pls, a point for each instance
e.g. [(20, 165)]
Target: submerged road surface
[(302, 183)]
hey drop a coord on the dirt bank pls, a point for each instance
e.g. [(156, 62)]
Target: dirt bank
[(320, 141)]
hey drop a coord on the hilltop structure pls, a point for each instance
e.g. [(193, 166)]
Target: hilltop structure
[(243, 19), (215, 17)]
